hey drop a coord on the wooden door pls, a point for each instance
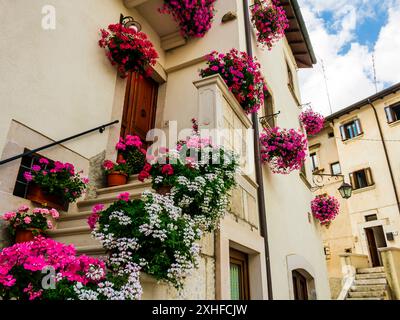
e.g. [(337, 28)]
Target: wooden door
[(373, 250), (299, 286), (139, 106)]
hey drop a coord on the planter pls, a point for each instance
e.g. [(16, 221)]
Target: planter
[(116, 179), (36, 194), (164, 190), (26, 235)]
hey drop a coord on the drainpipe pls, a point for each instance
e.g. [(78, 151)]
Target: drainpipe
[(386, 154), (259, 175)]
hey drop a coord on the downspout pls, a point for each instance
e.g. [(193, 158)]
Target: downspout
[(259, 175), (386, 154)]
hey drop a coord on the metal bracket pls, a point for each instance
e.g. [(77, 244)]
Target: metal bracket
[(264, 120)]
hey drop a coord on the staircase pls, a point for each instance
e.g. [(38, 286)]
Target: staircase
[(72, 228), (369, 284)]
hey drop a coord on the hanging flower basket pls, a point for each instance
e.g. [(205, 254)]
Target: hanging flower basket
[(128, 49), (270, 20), (242, 75), (325, 208), (193, 16), (284, 150), (312, 122)]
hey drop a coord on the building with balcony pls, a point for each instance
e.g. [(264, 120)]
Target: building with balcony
[(361, 143), (57, 82)]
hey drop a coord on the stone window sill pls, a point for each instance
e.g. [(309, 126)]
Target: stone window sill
[(395, 123), (354, 139), (357, 191)]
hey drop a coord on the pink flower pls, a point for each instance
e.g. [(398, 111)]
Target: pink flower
[(36, 168), (27, 220), (167, 169), (92, 220), (28, 176), (44, 161), (9, 216), (49, 224), (85, 180), (313, 122), (124, 196), (108, 165), (23, 208), (54, 213), (98, 207), (143, 175)]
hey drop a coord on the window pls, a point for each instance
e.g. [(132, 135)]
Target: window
[(314, 161), (299, 286), (361, 179), (239, 275), (335, 168), (21, 185), (269, 110), (331, 134), (393, 113), (290, 76), (371, 217), (351, 130)]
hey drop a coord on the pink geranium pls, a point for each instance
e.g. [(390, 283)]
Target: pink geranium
[(167, 170), (284, 150), (94, 217), (129, 49), (124, 196), (24, 262), (242, 75), (270, 20), (194, 17), (313, 122), (325, 208)]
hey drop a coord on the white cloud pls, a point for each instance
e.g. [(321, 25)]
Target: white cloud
[(349, 75)]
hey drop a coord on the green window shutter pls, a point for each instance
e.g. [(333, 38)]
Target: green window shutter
[(368, 173), (389, 114), (343, 133)]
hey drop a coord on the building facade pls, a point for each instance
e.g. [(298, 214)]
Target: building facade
[(59, 83), (361, 143)]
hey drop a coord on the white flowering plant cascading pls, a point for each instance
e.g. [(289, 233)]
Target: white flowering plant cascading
[(151, 234), (159, 234)]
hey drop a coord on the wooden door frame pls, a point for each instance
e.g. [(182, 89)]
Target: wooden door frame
[(242, 259), (369, 234)]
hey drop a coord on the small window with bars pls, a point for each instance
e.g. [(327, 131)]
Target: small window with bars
[(351, 130), (21, 185), (314, 161), (336, 169), (393, 113), (361, 179)]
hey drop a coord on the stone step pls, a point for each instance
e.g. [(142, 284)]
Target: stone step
[(135, 186), (79, 236), (371, 270), (369, 282), (378, 275), (92, 250), (364, 288), (375, 298), (367, 294), (78, 219), (107, 200)]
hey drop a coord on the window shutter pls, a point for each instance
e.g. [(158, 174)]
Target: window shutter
[(358, 126), (389, 114), (343, 133), (352, 180), (368, 173)]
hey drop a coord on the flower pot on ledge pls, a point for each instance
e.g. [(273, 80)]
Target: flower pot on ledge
[(164, 190), (26, 235), (115, 179), (36, 194)]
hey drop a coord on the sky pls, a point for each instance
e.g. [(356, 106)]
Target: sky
[(346, 35)]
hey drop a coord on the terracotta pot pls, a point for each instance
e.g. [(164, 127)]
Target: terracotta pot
[(36, 194), (116, 179), (164, 190), (25, 235), (120, 158)]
